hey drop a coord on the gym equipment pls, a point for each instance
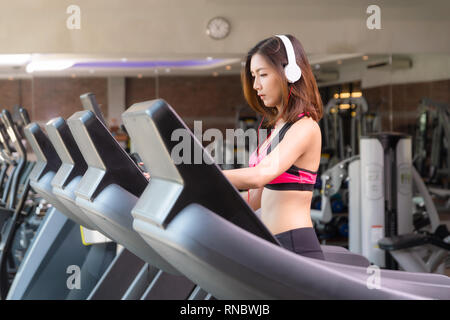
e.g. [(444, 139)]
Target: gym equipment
[(433, 129), (127, 276), (58, 248), (225, 258), (361, 123), (200, 190), (423, 251), (69, 173), (12, 216), (381, 206), (230, 253), (107, 192), (58, 244), (385, 160), (58, 185), (64, 183), (43, 257), (106, 175), (327, 226), (332, 180), (89, 102), (8, 161)]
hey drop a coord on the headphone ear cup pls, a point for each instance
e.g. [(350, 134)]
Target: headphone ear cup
[(293, 73)]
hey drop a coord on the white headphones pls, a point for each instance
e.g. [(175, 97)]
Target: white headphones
[(292, 70)]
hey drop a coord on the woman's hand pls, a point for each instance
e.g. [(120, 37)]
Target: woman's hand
[(146, 174)]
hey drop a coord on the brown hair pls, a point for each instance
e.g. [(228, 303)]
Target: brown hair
[(304, 96)]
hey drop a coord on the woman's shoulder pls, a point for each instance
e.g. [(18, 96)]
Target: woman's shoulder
[(306, 123), (305, 129)]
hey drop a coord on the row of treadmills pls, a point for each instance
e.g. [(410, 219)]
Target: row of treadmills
[(185, 234)]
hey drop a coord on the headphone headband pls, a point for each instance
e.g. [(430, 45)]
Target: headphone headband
[(292, 70)]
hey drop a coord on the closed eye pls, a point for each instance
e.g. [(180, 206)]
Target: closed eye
[(261, 75)]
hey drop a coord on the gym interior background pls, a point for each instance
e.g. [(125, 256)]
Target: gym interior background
[(395, 56)]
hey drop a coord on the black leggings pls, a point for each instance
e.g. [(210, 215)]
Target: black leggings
[(302, 241)]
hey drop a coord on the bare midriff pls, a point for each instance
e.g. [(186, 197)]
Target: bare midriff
[(286, 210)]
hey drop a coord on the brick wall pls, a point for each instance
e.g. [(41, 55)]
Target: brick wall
[(213, 100), (404, 100), (46, 98), (15, 92)]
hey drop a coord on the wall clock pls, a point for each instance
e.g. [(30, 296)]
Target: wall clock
[(218, 28)]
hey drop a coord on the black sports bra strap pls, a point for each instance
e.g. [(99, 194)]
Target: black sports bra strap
[(279, 136), (283, 130)]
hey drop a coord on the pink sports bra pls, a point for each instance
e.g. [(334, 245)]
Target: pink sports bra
[(294, 178)]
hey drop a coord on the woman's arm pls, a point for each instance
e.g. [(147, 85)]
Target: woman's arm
[(243, 179), (253, 198), (293, 145)]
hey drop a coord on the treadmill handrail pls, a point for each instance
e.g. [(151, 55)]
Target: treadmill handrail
[(90, 103), (59, 134), (5, 145), (47, 158), (24, 116), (104, 156), (14, 136)]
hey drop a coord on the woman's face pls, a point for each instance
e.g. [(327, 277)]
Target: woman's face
[(266, 81)]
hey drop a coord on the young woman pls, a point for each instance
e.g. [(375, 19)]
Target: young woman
[(283, 169)]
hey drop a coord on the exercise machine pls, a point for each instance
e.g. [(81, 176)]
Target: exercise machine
[(221, 245), (338, 143), (432, 137), (381, 208)]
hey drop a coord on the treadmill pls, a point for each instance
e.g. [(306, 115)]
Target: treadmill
[(195, 219), (106, 193), (57, 247)]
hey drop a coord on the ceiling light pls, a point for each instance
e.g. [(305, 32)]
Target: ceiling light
[(55, 65), (14, 59), (150, 64)]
